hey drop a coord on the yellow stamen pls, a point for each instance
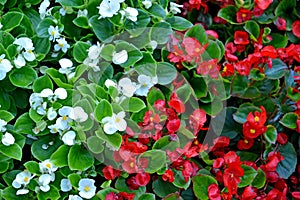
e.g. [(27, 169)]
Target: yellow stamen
[(224, 69), (131, 164), (48, 165), (246, 141), (118, 119), (87, 188), (60, 44), (252, 131), (26, 179), (256, 119), (53, 33), (64, 117)]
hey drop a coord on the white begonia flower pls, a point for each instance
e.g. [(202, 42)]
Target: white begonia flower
[(42, 109), (130, 13), (22, 191), (44, 181), (114, 123), (43, 8), (147, 3), (24, 43), (54, 128), (8, 139), (67, 67), (64, 120), (2, 125), (82, 13), (109, 8), (74, 197), (5, 66), (145, 83), (120, 57), (47, 167), (19, 61), (94, 51), (62, 44), (69, 138), (174, 8), (110, 83), (63, 11), (51, 114), (78, 114), (65, 185), (29, 55), (87, 188), (1, 25), (94, 64), (22, 179), (35, 100), (59, 93), (53, 32), (127, 87)]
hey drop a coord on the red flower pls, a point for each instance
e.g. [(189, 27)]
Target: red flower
[(198, 4), (259, 118), (282, 138), (249, 193), (280, 23), (228, 69), (176, 103), (168, 176), (214, 192), (173, 125), (111, 196), (243, 15), (232, 176), (130, 166), (110, 173), (177, 55), (212, 33), (269, 51), (275, 194), (142, 179), (263, 4), (160, 105), (241, 37), (243, 67), (230, 47), (187, 170), (218, 163), (245, 143), (197, 120), (132, 184), (210, 68), (273, 160), (252, 131), (126, 196), (296, 195), (296, 28), (192, 46)]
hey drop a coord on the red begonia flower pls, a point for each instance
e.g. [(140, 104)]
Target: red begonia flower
[(197, 120), (282, 138), (280, 23), (168, 176), (249, 193), (296, 28), (214, 192), (263, 4), (142, 179), (110, 173), (243, 15), (245, 143), (241, 37)]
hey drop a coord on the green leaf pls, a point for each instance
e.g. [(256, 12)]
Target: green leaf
[(24, 124), (22, 77), (199, 86), (278, 70), (157, 10), (103, 109), (53, 194), (73, 3), (287, 166), (228, 13), (74, 179), (201, 184), (162, 188), (292, 94), (33, 167), (243, 111), (179, 180), (88, 109), (13, 151), (160, 32), (42, 154), (147, 65), (107, 52), (11, 20), (153, 95), (134, 53), (156, 160), (138, 27), (59, 157), (239, 85), (289, 120), (103, 193), (4, 166), (10, 193), (41, 83), (95, 144), (179, 23), (259, 180), (132, 104), (278, 40), (6, 39), (147, 196), (255, 74), (80, 52), (79, 158), (252, 28), (271, 134), (214, 50), (166, 73), (286, 10), (165, 143), (43, 26), (249, 175), (82, 22), (184, 93), (113, 140), (6, 116), (102, 28)]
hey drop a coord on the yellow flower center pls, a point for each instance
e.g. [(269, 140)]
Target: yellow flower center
[(48, 165), (29, 51), (246, 141), (26, 179), (256, 119), (252, 131), (118, 119), (209, 66), (131, 164), (52, 33), (61, 45), (197, 50), (87, 188), (244, 15), (64, 117), (224, 69)]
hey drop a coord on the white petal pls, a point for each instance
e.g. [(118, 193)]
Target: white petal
[(121, 125), (46, 92), (65, 185), (65, 111), (65, 63), (109, 83), (51, 114), (8, 139), (61, 93), (109, 128), (121, 115), (120, 57), (22, 191), (19, 61), (16, 184), (78, 114), (29, 56), (69, 138), (44, 179)]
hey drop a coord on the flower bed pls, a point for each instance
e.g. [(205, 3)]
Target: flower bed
[(145, 99)]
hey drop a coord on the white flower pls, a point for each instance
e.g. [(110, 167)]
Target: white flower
[(109, 83), (44, 181), (109, 8), (94, 51), (67, 67), (43, 8), (69, 138), (61, 44), (5, 66), (147, 3), (120, 57), (19, 61), (24, 43), (174, 8), (78, 114), (94, 64), (63, 121), (145, 83), (59, 93), (74, 197), (42, 109), (22, 178), (130, 13), (47, 167), (63, 11), (8, 139), (54, 128), (65, 185), (114, 123), (82, 13), (1, 25), (51, 114), (87, 188), (2, 125), (29, 55), (53, 32), (127, 87)]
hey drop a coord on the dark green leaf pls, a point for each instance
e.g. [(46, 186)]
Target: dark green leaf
[(11, 20), (79, 158), (289, 120), (132, 104), (201, 184), (179, 23), (287, 166)]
